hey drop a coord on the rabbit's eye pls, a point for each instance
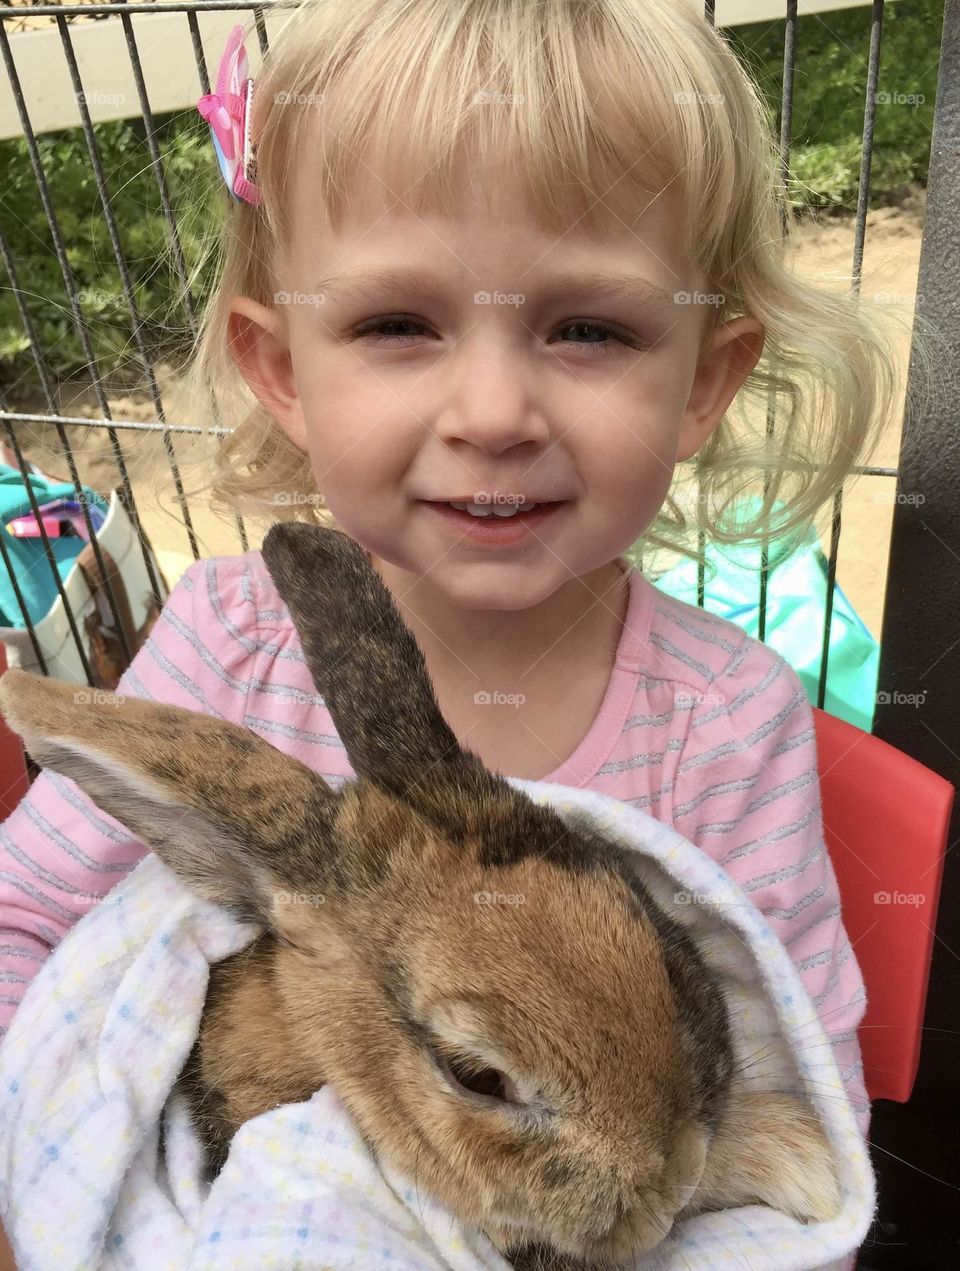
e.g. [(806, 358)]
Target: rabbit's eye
[(489, 1082)]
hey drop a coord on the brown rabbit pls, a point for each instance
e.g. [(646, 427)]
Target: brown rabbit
[(557, 1072)]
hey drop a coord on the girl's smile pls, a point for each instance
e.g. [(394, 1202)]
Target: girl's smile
[(499, 530)]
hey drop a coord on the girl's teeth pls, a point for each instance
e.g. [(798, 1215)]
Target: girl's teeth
[(484, 509)]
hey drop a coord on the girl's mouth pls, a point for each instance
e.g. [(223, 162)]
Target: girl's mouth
[(499, 531)]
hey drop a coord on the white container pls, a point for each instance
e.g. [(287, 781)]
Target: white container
[(96, 624)]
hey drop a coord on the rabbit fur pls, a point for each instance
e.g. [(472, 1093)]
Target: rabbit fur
[(557, 1073)]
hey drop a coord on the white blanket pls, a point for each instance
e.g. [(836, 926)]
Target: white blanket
[(88, 1072)]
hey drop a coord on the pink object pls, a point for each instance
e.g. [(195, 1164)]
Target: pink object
[(886, 820), (227, 111), (26, 526)]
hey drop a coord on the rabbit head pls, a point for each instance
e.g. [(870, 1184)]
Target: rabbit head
[(509, 1016)]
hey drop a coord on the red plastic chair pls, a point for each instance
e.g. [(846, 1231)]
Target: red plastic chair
[(14, 780), (886, 818)]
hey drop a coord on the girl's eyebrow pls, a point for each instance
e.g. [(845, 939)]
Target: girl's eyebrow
[(599, 284)]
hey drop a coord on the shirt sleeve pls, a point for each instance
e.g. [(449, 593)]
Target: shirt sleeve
[(747, 792), (59, 853)]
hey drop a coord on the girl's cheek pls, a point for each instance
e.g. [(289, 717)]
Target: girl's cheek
[(641, 415)]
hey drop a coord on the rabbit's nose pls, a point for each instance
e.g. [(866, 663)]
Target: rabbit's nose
[(639, 1227)]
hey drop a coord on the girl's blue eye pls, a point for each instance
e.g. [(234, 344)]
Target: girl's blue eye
[(588, 345), (376, 325)]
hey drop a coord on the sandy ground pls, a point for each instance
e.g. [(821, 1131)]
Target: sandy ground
[(889, 278), (825, 253)]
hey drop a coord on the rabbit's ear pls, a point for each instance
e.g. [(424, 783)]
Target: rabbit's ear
[(370, 670), (229, 813)]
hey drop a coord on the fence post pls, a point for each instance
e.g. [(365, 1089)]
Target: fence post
[(920, 655)]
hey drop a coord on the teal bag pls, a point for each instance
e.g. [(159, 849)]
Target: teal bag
[(27, 556), (113, 587), (796, 600)]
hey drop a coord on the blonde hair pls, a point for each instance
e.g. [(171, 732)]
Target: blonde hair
[(596, 101)]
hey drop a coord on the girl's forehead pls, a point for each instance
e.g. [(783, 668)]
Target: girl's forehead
[(489, 214)]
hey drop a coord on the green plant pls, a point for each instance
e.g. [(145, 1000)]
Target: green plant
[(194, 188), (830, 80)]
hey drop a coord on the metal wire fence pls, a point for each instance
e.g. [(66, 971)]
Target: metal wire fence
[(120, 432)]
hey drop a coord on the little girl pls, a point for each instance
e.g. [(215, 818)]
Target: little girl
[(499, 253)]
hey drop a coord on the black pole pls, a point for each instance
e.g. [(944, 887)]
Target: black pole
[(915, 1155)]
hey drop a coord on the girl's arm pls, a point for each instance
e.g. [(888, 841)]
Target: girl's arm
[(59, 854), (747, 792)]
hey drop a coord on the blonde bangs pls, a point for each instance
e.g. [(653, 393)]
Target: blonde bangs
[(592, 106)]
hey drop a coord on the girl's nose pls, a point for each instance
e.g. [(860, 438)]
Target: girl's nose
[(490, 396)]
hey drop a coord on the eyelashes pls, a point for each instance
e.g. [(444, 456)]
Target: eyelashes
[(374, 328)]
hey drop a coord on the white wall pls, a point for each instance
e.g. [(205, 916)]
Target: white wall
[(739, 12), (166, 52)]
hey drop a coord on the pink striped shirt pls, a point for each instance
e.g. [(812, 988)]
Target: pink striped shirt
[(702, 726)]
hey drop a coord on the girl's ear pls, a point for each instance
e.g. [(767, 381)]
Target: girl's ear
[(730, 356), (257, 341)]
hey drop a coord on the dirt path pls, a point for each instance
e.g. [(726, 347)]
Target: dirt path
[(825, 253)]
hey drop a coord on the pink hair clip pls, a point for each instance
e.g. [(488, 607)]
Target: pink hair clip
[(227, 111)]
